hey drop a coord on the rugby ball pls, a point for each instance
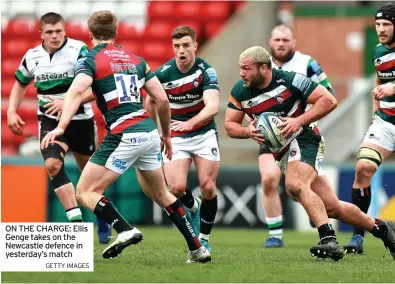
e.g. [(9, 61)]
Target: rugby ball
[(267, 123)]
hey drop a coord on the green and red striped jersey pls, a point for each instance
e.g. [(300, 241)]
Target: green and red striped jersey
[(384, 62), (185, 92), (118, 76), (286, 96)]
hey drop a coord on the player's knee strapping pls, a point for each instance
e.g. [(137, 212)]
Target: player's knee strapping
[(371, 156), (56, 151)]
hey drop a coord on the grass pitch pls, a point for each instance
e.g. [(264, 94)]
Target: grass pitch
[(237, 257)]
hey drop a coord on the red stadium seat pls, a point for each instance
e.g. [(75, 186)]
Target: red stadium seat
[(159, 30), (211, 29), (6, 87), (216, 10), (132, 46), (28, 113), (127, 31), (160, 10), (195, 25), (31, 91), (78, 30), (8, 137), (189, 10), (157, 51), (154, 64), (237, 5), (21, 28), (8, 150), (9, 66), (15, 47)]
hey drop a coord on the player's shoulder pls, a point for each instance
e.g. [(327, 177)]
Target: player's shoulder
[(166, 68), (203, 64), (379, 49), (75, 43), (34, 52), (239, 88), (282, 76)]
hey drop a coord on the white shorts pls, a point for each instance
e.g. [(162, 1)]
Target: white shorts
[(118, 152), (381, 133), (204, 145)]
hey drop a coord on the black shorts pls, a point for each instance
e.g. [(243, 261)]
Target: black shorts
[(80, 135), (263, 149)]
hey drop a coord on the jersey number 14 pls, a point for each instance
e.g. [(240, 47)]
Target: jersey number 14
[(127, 89)]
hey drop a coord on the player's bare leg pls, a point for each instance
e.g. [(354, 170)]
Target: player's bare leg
[(93, 181), (298, 180), (63, 187), (270, 179), (153, 185), (207, 171), (103, 228), (176, 172), (352, 215), (370, 158)]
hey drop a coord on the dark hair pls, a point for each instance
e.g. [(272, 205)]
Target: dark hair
[(103, 25), (50, 18), (181, 31)]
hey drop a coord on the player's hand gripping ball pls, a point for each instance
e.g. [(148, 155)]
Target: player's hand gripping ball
[(267, 123)]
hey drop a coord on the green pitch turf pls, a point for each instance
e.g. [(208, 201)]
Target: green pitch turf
[(237, 257)]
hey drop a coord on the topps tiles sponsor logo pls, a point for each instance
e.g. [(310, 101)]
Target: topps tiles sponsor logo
[(185, 97), (386, 74), (51, 76)]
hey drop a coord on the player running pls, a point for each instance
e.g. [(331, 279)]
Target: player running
[(116, 77), (263, 89), (191, 85), (379, 141), (285, 57)]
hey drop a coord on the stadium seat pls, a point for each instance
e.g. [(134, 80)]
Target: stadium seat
[(8, 137), (21, 28), (8, 150), (133, 46), (9, 66), (78, 30), (218, 10), (211, 29), (15, 47), (31, 91), (154, 64), (161, 10), (237, 5), (191, 10), (127, 31), (157, 51), (159, 30), (197, 26), (6, 87)]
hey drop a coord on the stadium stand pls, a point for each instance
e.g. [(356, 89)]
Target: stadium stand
[(144, 27)]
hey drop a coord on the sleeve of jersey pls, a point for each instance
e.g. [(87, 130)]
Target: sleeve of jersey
[(23, 75), (315, 73), (85, 65), (234, 101), (303, 85), (148, 72), (210, 79), (83, 52)]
